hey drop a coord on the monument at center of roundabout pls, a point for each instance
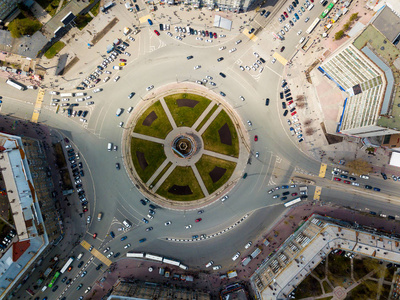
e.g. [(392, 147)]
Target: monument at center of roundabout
[(183, 148)]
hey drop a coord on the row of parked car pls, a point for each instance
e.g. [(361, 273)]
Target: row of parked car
[(290, 107), (6, 241)]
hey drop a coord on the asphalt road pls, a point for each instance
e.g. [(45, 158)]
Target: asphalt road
[(110, 191)]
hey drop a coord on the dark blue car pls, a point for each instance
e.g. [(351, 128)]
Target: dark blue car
[(124, 238)]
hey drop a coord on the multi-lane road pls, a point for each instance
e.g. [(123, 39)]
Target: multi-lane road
[(110, 191)]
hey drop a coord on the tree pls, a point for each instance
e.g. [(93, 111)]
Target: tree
[(353, 17), (346, 26), (339, 35), (20, 27), (359, 167)]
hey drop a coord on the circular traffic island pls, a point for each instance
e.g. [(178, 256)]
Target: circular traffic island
[(183, 148)]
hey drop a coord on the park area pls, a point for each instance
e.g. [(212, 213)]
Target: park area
[(341, 277)]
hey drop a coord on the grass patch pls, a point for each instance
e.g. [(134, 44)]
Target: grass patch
[(50, 6), (389, 273), (319, 270), (95, 9), (366, 290), (339, 266), (181, 176), (161, 174), (53, 50), (154, 155), (309, 287), (327, 287), (206, 164), (82, 20), (207, 117), (362, 267), (185, 116), (160, 126), (211, 137)]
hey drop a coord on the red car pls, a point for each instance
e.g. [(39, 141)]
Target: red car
[(123, 60), (94, 235), (347, 182), (338, 179), (290, 102), (156, 32), (198, 220), (293, 113), (312, 1), (286, 15), (294, 194), (207, 32), (256, 138), (215, 35)]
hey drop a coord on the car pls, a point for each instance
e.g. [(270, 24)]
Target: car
[(306, 20), (282, 48), (220, 59), (142, 240), (89, 218), (127, 246), (94, 235), (110, 254), (247, 246), (117, 254), (79, 287), (131, 95), (188, 226), (189, 57), (64, 279), (355, 184), (84, 274), (209, 264), (236, 256), (346, 182), (384, 176), (145, 220), (291, 23), (275, 196), (251, 30), (150, 22), (106, 250), (222, 48), (167, 223), (232, 50), (267, 101), (149, 228), (150, 88), (81, 264), (156, 32), (337, 179), (91, 248), (222, 94), (377, 189), (217, 267), (364, 176), (238, 42), (198, 220), (124, 238), (222, 75), (54, 288), (249, 123), (197, 67), (368, 187), (286, 15)]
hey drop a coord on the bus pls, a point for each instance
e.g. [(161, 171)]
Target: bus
[(153, 257), (313, 25), (68, 263), (326, 11), (171, 262), (292, 202), (132, 254), (64, 95), (16, 84), (53, 281)]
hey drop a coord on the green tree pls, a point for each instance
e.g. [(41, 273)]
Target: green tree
[(346, 26), (353, 17), (20, 27), (359, 167), (339, 35)]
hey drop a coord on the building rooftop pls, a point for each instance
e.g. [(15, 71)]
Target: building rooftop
[(387, 22)]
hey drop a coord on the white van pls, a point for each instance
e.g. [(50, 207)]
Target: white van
[(127, 224), (79, 256), (310, 7), (109, 146), (130, 109), (119, 112), (302, 40)]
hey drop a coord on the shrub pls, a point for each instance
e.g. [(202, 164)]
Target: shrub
[(20, 27), (339, 35)]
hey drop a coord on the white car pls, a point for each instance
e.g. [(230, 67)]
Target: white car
[(197, 67), (355, 184), (249, 123), (247, 246), (88, 289), (242, 98), (238, 42), (241, 68), (178, 38), (261, 69), (97, 90), (121, 124), (285, 28), (127, 54), (273, 60), (150, 88), (300, 31), (79, 99), (83, 120), (199, 38), (88, 97), (169, 33), (63, 99), (232, 50), (127, 246), (217, 268), (306, 20), (222, 35), (110, 254), (116, 78), (188, 226), (209, 41), (209, 77), (106, 250), (90, 103), (209, 264), (78, 181), (364, 176), (222, 48), (236, 256), (167, 223), (224, 198), (256, 54), (89, 218)]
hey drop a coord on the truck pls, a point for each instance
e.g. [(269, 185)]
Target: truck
[(126, 30), (232, 274), (256, 252), (107, 7), (47, 272), (246, 260)]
